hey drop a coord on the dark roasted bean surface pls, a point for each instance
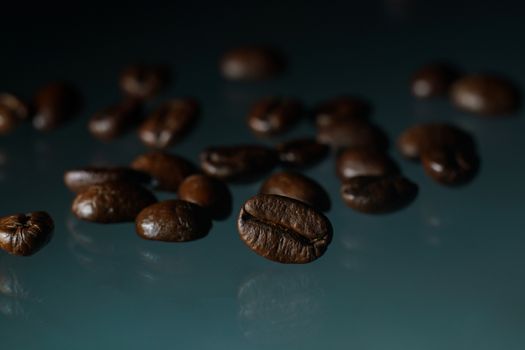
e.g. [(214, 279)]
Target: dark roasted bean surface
[(251, 63), (353, 162), (143, 80), (433, 79), (352, 134), (25, 234), (341, 109), (79, 179), (450, 166), (301, 153), (274, 115), (116, 120), (210, 193), (55, 104)]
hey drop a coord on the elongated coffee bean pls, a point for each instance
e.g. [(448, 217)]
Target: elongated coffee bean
[(173, 221), (144, 80), (352, 134), (301, 153), (25, 234), (116, 120), (363, 161), (451, 166), (341, 109), (274, 115), (78, 180), (209, 193), (433, 80), (251, 63), (55, 104), (112, 202), (283, 229), (12, 111)]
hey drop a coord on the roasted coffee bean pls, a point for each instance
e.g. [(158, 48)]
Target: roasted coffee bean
[(274, 115), (283, 229), (251, 63), (209, 193), (144, 81), (116, 120), (167, 170), (15, 104), (25, 234), (8, 120), (169, 123), (239, 163), (378, 194), (78, 180), (55, 104), (450, 166), (112, 202), (301, 153), (485, 95), (433, 79), (364, 161), (352, 134), (173, 221), (341, 109), (414, 140)]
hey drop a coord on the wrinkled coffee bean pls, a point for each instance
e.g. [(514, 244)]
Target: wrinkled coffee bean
[(12, 111), (112, 202), (55, 104), (363, 161), (209, 193), (274, 115), (116, 120), (143, 81), (341, 109), (25, 234), (283, 229), (173, 221), (450, 166), (297, 186), (352, 134), (485, 95), (301, 153), (167, 170), (251, 63), (169, 123), (378, 194), (433, 79), (78, 180), (239, 163)]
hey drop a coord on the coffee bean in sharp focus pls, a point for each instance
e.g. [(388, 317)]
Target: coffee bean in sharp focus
[(238, 163), (352, 134), (167, 170), (297, 186), (79, 179), (341, 109), (210, 193), (112, 202), (55, 104), (274, 115), (452, 166), (433, 80), (116, 120), (169, 123), (143, 81), (353, 162), (301, 153), (25, 234), (251, 63), (378, 194), (173, 221), (283, 229)]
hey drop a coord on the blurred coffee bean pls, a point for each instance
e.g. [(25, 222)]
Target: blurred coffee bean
[(251, 63), (364, 161), (301, 153), (354, 133), (79, 179), (209, 193), (25, 234), (12, 111), (433, 80), (116, 120), (341, 109), (143, 81), (55, 104), (8, 120), (450, 166), (274, 115)]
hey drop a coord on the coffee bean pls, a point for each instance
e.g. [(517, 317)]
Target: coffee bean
[(352, 134), (14, 103), (251, 63), (363, 161), (378, 194), (239, 163), (433, 80), (112, 202), (341, 109), (143, 80), (173, 221), (167, 170), (55, 104), (8, 120), (25, 234), (283, 229), (209, 193), (297, 186), (450, 166), (78, 180), (301, 153), (169, 123), (274, 115), (116, 120), (485, 95)]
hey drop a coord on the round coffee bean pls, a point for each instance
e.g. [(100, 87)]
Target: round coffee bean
[(450, 166), (143, 80), (209, 193), (297, 186), (378, 194), (433, 80), (116, 120), (8, 120), (55, 104), (169, 123), (485, 94), (251, 63), (354, 162), (167, 170), (173, 221), (112, 202), (352, 134), (240, 163), (25, 234), (301, 153), (78, 180), (341, 109), (283, 229), (274, 115), (14, 103)]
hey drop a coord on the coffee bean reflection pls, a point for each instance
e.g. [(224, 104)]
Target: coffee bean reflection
[(13, 295), (161, 267)]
